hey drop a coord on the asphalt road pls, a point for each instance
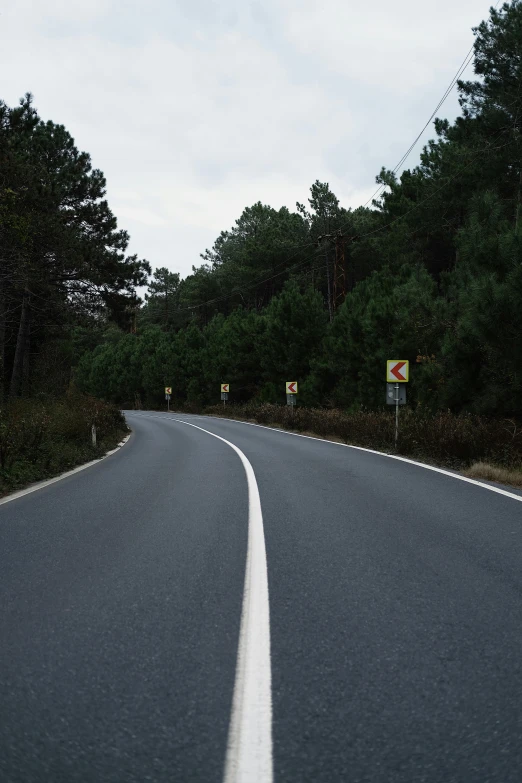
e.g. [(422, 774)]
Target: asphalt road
[(395, 626)]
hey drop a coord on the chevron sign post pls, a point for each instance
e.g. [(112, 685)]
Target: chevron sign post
[(291, 393), (168, 392), (397, 371), (225, 388)]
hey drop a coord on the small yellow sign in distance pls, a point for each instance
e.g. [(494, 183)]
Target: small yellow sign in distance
[(397, 371), (168, 389), (225, 388), (291, 387)]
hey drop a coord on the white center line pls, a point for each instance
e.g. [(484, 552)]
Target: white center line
[(249, 750)]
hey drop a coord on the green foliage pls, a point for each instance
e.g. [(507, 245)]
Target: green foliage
[(162, 300), (386, 316), (295, 324), (483, 353)]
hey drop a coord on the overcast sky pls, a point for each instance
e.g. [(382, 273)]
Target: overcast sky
[(195, 109)]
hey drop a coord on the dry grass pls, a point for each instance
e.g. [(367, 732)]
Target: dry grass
[(488, 472), (332, 438)]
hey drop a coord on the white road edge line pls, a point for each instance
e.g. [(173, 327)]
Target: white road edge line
[(380, 453), (47, 482), (249, 747)]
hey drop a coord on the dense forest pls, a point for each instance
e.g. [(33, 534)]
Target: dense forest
[(430, 271)]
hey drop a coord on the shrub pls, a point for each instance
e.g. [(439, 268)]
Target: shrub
[(39, 438)]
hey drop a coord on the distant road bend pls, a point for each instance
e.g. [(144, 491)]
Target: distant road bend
[(224, 602)]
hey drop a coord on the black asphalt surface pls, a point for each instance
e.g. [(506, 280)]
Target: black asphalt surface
[(395, 615)]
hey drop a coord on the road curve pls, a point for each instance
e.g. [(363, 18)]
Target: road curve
[(394, 615)]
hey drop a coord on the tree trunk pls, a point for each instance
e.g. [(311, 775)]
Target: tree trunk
[(22, 344), (519, 201), (2, 342), (26, 369)]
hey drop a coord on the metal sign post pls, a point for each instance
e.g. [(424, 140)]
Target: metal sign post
[(397, 387), (291, 394), (225, 388), (397, 373), (396, 395), (168, 392)]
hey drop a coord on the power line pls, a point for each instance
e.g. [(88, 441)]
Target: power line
[(457, 76), (468, 58), (297, 250), (434, 193), (247, 286)]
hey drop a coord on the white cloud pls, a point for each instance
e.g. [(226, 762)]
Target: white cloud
[(399, 46), (140, 215), (56, 12), (196, 110), (124, 194)]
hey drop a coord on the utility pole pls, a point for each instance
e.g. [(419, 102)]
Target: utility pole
[(327, 264), (133, 317), (519, 201), (518, 208), (339, 271), (338, 295)]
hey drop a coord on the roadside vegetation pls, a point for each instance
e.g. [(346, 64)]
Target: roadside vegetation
[(464, 441), (41, 438), (488, 472)]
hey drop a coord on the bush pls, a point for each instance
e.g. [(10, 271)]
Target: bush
[(39, 438), (446, 438)]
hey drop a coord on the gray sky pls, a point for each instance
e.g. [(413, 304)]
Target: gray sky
[(197, 109)]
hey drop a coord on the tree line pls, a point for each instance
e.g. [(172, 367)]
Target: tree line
[(62, 257), (431, 271)]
